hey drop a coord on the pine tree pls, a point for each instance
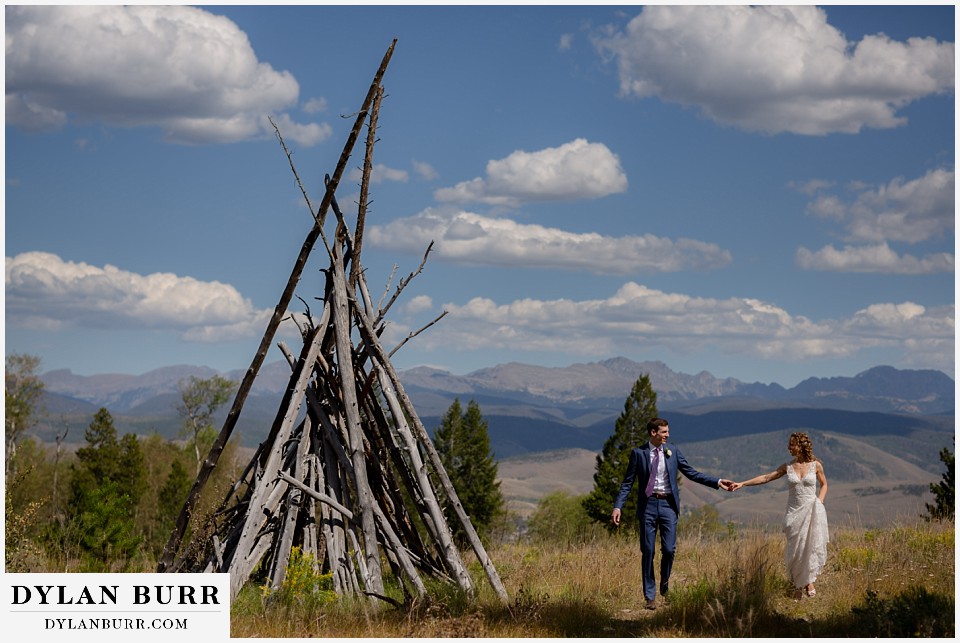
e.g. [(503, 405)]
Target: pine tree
[(447, 438), (463, 444), (107, 482), (630, 432), (170, 499), (944, 491)]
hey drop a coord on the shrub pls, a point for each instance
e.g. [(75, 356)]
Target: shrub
[(913, 612), (303, 585), (560, 517)]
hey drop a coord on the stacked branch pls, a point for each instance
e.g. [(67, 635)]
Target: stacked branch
[(347, 472)]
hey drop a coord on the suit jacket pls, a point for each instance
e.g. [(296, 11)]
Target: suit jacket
[(639, 470)]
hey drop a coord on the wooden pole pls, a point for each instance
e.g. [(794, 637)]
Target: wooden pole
[(342, 325), (373, 343), (176, 537)]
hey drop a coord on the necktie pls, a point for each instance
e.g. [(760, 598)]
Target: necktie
[(653, 471)]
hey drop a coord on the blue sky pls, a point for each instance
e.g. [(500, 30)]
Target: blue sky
[(762, 193)]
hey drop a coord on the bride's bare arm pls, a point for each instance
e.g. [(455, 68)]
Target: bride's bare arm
[(822, 479), (764, 479)]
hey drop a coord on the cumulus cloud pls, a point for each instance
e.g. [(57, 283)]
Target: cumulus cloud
[(315, 105), (901, 211), (775, 68), (469, 238), (425, 170), (308, 134), (810, 187), (646, 318), (908, 211), (878, 258), (418, 304), (576, 170), (380, 173), (43, 290), (185, 70)]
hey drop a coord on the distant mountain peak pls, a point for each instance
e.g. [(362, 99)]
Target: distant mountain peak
[(604, 383)]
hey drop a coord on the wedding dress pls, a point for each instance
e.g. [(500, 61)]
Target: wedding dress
[(805, 526)]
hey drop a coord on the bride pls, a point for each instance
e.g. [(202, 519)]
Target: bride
[(805, 523)]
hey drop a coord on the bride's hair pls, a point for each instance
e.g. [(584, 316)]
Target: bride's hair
[(802, 440)]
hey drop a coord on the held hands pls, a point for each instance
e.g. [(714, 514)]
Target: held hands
[(729, 485)]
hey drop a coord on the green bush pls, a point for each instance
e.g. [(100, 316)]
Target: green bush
[(560, 517), (303, 585), (703, 522), (913, 612)]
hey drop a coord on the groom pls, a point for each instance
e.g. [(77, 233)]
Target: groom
[(655, 465)]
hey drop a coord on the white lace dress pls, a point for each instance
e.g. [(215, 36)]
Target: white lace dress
[(805, 526)]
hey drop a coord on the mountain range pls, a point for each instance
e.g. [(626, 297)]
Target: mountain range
[(879, 433), (592, 385), (533, 408)]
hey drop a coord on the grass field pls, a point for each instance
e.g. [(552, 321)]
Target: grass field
[(894, 581)]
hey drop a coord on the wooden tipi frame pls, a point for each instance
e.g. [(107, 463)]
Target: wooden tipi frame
[(347, 473)]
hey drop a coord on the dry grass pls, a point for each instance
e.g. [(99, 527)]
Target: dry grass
[(879, 582)]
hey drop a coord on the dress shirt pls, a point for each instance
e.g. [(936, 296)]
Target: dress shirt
[(660, 481)]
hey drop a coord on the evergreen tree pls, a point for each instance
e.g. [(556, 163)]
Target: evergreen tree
[(170, 500), (943, 492), (447, 437), (630, 432), (105, 526), (131, 472), (463, 444), (107, 482)]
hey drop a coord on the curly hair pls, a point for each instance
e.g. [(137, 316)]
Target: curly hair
[(802, 440)]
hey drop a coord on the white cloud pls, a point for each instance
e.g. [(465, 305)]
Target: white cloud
[(43, 290), (380, 173), (469, 238), (315, 105), (418, 304), (908, 211), (775, 68), (810, 187), (900, 211), (924, 334), (190, 72), (576, 170), (566, 41), (873, 258), (31, 115), (424, 170), (647, 320), (307, 135)]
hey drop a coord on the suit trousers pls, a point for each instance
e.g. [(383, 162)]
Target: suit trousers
[(658, 515)]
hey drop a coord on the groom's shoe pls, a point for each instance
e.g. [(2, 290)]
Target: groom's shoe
[(651, 605)]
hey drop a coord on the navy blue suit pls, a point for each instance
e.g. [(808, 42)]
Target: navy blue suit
[(653, 513)]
